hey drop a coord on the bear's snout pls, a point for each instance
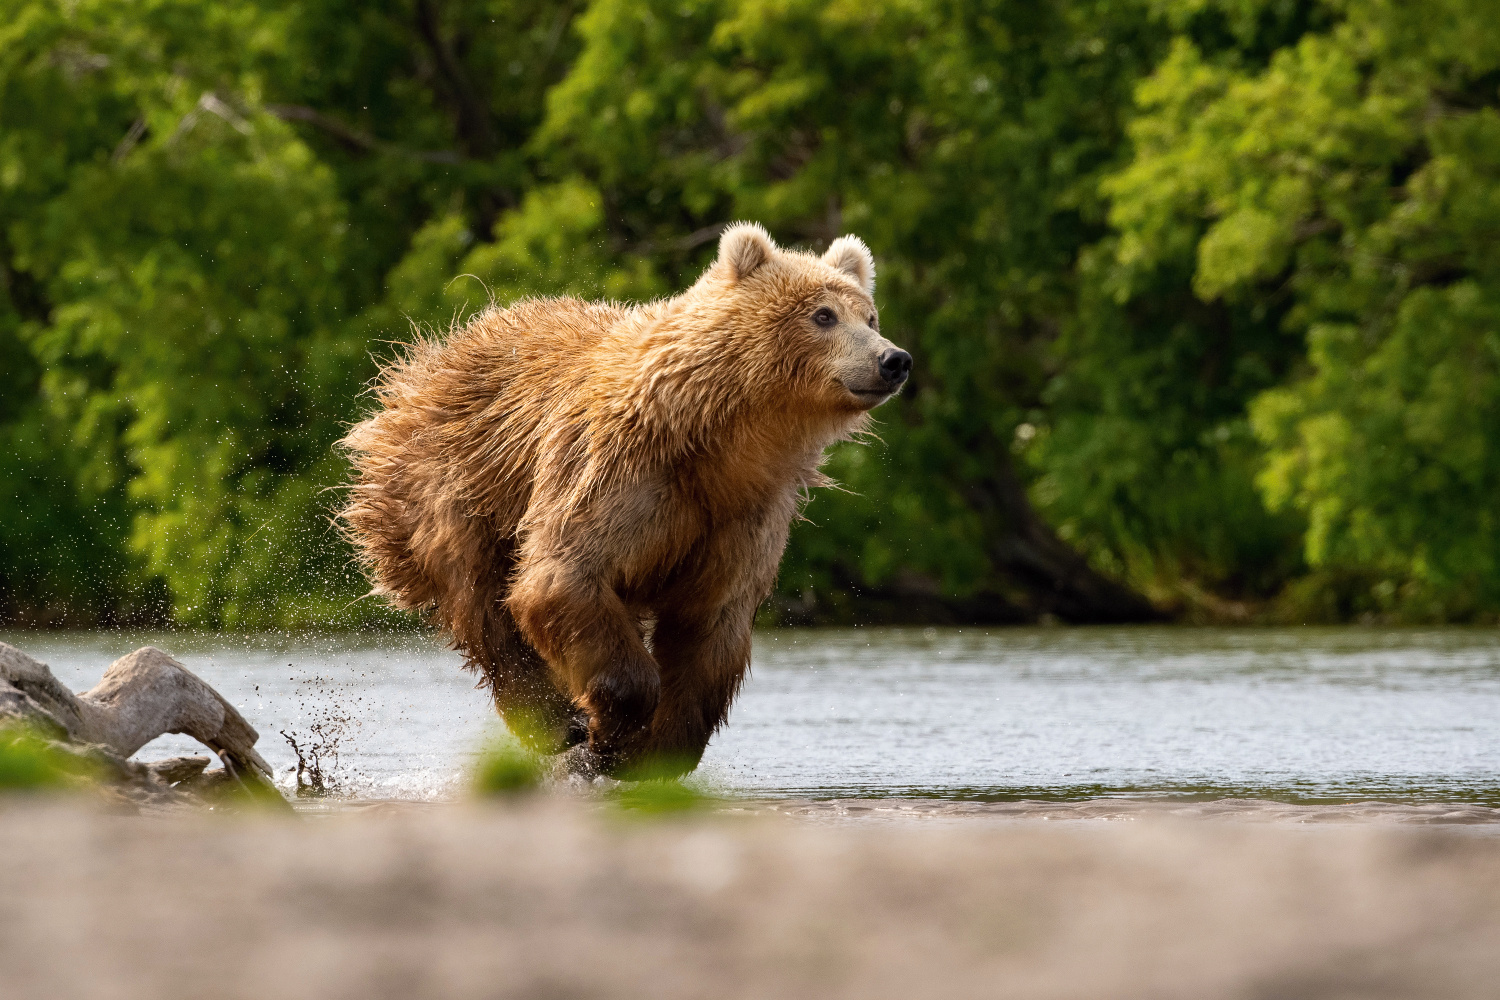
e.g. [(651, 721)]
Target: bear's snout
[(895, 366)]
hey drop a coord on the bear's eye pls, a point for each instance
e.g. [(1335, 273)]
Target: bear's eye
[(874, 322), (825, 317)]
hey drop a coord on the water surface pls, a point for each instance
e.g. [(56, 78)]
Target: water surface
[(1292, 714)]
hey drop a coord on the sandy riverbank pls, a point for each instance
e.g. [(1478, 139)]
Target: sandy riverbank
[(560, 899)]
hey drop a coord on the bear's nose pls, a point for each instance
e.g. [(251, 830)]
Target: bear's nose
[(895, 365)]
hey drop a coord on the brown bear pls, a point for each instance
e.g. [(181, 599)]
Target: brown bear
[(593, 498)]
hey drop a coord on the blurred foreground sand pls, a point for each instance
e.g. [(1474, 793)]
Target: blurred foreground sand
[(555, 898)]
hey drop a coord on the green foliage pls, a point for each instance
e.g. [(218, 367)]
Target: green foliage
[(659, 796), (28, 762), (1201, 284), (1354, 178), (181, 251), (507, 769)]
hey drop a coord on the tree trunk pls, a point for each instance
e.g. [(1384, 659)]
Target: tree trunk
[(1051, 577)]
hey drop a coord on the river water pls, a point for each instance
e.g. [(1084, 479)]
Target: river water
[(1295, 715)]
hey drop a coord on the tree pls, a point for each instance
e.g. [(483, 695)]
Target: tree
[(1351, 181), (1200, 291), (195, 262)]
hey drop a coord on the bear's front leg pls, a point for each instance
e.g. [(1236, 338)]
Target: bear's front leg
[(704, 655), (591, 642), (703, 630)]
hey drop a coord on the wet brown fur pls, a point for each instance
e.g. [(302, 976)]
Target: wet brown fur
[(593, 498)]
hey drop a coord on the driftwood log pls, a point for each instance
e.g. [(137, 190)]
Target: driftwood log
[(140, 697)]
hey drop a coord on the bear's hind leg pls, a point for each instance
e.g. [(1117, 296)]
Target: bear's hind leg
[(541, 716)]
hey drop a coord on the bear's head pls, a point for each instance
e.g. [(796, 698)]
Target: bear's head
[(813, 319)]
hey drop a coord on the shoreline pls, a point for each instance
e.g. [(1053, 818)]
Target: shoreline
[(1101, 809), (1120, 808), (554, 896)]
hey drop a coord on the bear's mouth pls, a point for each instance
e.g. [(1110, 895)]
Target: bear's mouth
[(870, 397)]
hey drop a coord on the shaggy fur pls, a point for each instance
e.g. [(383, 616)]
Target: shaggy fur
[(593, 498)]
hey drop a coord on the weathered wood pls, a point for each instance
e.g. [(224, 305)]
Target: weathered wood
[(29, 693), (175, 769), (141, 696), (147, 693)]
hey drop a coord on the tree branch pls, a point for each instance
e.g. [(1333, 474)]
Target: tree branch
[(356, 139), (474, 127)]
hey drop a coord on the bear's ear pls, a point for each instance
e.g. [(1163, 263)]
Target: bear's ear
[(850, 255), (744, 247)]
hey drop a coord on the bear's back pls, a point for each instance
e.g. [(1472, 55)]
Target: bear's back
[(457, 434), (533, 345)]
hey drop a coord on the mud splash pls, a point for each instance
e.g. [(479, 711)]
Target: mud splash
[(331, 710)]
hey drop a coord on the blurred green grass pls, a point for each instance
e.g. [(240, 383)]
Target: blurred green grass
[(30, 762)]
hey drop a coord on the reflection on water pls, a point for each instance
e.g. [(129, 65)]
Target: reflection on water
[(1308, 715)]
